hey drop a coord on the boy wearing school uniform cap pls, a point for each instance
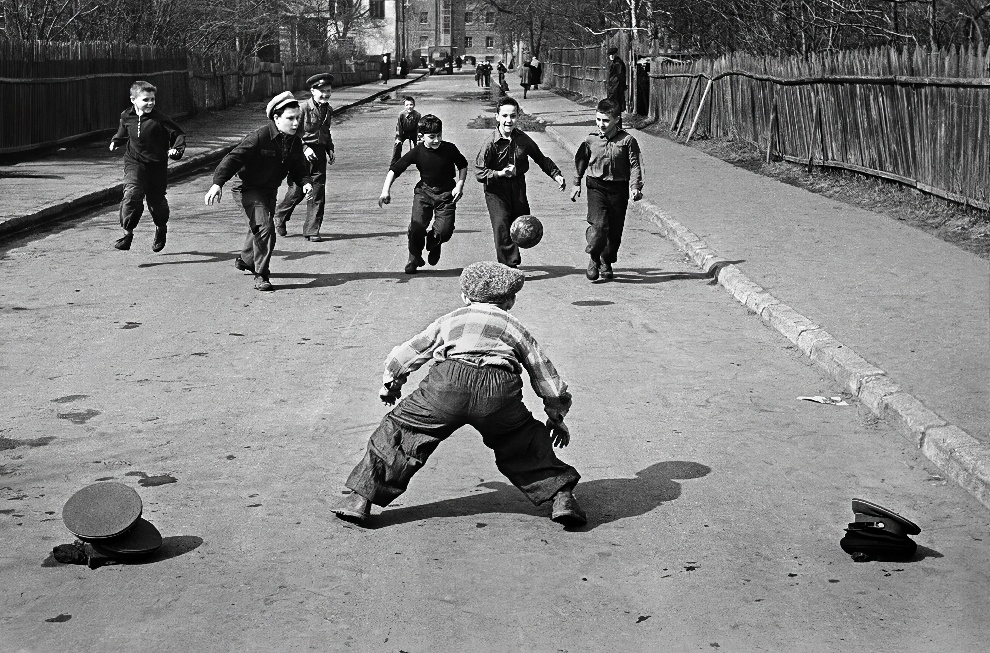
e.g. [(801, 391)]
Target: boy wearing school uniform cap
[(318, 149), (480, 352), (261, 161)]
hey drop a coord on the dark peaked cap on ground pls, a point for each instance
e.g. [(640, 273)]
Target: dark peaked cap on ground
[(491, 282), (323, 79)]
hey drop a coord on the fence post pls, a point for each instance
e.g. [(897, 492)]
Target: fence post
[(701, 107)]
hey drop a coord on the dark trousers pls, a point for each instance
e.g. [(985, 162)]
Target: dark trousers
[(607, 202), (259, 208), (144, 182), (430, 204), (506, 200), (452, 395), (397, 150), (316, 204)]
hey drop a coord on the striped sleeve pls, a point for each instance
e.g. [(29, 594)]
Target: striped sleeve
[(408, 357), (543, 376)]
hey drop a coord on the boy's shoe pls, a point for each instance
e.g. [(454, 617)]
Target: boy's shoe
[(261, 283), (355, 508), (414, 263), (592, 271), (124, 242), (280, 229), (433, 247), (314, 239), (566, 510), (242, 266), (159, 244), (606, 270)]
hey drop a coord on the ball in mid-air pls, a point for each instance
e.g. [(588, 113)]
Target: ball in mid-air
[(526, 231)]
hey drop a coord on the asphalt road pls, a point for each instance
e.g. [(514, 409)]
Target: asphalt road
[(716, 497)]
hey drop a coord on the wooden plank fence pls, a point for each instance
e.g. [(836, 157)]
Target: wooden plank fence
[(918, 117), (54, 93)]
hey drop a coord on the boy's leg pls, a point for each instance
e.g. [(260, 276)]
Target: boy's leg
[(293, 196), (258, 207), (503, 208), (444, 211), (316, 205), (596, 234), (419, 220), (619, 202), (157, 182), (396, 152), (132, 203)]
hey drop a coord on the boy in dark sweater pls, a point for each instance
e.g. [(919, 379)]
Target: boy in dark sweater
[(406, 128), (610, 159), (152, 139), (480, 352), (436, 195)]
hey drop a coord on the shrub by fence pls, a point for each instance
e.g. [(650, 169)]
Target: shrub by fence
[(52, 93), (921, 117)]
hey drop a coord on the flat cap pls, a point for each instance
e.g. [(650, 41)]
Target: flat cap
[(491, 282), (279, 101), (613, 50), (323, 79)]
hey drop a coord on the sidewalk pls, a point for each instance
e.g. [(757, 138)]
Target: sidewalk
[(73, 179), (900, 318)]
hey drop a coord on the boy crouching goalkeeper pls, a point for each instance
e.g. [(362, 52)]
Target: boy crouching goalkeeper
[(480, 352)]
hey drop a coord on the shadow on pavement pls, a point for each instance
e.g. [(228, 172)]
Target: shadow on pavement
[(605, 500), (328, 280), (622, 275)]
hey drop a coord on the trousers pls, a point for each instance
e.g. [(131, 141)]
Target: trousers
[(397, 150), (607, 203), (506, 200), (316, 204), (259, 209), (454, 394), (144, 182), (430, 204)]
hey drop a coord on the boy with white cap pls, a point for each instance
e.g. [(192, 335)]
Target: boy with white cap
[(480, 352), (261, 161)]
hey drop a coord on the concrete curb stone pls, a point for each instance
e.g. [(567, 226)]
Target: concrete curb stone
[(964, 459), (112, 194)]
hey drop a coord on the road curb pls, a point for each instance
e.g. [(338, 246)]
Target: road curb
[(19, 225), (965, 460)]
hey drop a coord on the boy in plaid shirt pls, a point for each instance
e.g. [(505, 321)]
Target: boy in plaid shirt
[(480, 352)]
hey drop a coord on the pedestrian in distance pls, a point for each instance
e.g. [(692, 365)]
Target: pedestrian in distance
[(406, 127), (479, 73), (609, 159), (152, 139), (486, 74), (615, 81), (501, 69), (480, 351), (385, 70), (501, 165), (442, 171), (261, 161), (318, 149)]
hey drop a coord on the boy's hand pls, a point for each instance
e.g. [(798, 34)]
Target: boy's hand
[(386, 198), (331, 157), (637, 195), (560, 435), (308, 191), (561, 181), (458, 191), (397, 140), (389, 395), (213, 195), (576, 193), (509, 170), (113, 146), (173, 153), (309, 153)]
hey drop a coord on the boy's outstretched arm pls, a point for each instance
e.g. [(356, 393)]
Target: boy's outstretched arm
[(386, 196), (406, 358)]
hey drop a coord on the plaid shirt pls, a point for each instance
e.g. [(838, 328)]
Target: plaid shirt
[(487, 335)]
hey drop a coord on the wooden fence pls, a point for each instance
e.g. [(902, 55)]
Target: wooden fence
[(921, 117), (53, 93)]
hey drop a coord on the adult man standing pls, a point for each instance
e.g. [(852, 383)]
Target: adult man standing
[(615, 84), (318, 149)]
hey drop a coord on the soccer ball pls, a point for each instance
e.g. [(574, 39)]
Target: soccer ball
[(526, 231)]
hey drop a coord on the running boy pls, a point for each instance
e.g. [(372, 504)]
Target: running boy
[(480, 352), (261, 161), (501, 165), (152, 139), (610, 157), (406, 128), (318, 149), (436, 195)]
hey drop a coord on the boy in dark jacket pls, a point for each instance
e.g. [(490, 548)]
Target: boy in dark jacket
[(261, 161), (435, 196), (406, 127), (152, 139), (480, 352)]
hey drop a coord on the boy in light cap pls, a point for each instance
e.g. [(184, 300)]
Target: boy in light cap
[(480, 352)]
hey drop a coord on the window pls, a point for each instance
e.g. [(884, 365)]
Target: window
[(376, 9), (424, 18), (490, 17), (468, 17), (489, 41), (424, 41), (468, 42), (445, 17)]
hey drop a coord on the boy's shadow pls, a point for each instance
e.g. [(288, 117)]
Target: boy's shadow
[(605, 500), (623, 275)]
